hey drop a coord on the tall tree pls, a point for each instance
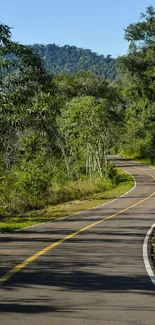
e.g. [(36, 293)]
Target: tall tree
[(22, 76), (88, 127), (138, 70)]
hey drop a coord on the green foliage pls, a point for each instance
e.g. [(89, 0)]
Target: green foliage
[(26, 186), (10, 222), (72, 190), (18, 90), (69, 60), (28, 73), (34, 176), (56, 132), (137, 82), (142, 34), (87, 126)]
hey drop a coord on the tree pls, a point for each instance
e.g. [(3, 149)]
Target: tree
[(138, 74), (139, 64), (69, 60), (88, 127), (22, 76)]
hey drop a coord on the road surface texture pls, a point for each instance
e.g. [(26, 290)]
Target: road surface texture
[(97, 276)]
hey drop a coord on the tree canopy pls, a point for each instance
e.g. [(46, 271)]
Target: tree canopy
[(138, 76), (70, 60)]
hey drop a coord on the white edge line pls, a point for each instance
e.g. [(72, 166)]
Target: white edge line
[(145, 255), (74, 214), (145, 246)]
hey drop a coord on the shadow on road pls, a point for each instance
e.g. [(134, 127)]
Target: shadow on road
[(67, 280)]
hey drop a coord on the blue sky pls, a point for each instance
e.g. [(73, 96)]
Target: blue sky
[(94, 24)]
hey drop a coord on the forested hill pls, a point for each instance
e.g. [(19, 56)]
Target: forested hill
[(70, 59)]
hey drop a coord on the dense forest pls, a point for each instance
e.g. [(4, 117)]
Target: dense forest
[(70, 60), (56, 130)]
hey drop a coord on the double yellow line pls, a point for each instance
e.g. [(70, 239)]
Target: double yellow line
[(20, 266)]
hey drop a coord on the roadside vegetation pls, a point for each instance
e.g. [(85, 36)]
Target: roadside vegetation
[(137, 84), (57, 131), (85, 195)]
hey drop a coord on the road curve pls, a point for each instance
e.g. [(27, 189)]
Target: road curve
[(95, 277)]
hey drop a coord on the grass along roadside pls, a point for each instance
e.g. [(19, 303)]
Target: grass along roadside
[(53, 212)]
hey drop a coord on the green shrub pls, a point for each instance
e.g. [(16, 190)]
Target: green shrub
[(72, 190)]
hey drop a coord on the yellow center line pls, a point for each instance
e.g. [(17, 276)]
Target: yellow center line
[(20, 266)]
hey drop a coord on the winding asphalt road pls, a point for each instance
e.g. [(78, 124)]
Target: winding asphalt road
[(94, 276)]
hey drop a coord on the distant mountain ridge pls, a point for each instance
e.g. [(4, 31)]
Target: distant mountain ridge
[(70, 59)]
